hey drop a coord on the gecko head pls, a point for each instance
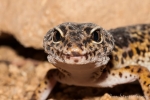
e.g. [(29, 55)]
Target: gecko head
[(78, 43)]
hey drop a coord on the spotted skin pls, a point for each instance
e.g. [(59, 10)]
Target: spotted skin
[(85, 54)]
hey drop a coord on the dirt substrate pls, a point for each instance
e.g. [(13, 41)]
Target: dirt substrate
[(21, 69)]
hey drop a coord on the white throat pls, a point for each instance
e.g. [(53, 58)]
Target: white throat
[(82, 72)]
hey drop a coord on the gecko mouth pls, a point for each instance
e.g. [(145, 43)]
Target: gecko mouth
[(68, 56), (75, 57), (78, 59), (71, 59)]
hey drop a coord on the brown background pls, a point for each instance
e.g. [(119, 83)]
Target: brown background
[(29, 20)]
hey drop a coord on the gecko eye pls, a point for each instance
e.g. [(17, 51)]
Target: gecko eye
[(57, 36), (96, 36)]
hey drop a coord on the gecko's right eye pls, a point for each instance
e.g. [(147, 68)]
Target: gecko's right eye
[(96, 36), (57, 36)]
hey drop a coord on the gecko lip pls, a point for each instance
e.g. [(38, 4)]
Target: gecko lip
[(68, 56), (80, 56)]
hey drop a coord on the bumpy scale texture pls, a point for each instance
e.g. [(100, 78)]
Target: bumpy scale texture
[(85, 54)]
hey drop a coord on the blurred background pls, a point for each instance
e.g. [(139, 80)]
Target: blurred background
[(23, 24), (29, 20)]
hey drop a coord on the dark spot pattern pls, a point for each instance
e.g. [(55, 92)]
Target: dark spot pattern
[(113, 74), (141, 36), (116, 58), (140, 40), (69, 45), (148, 76), (68, 57), (130, 75), (120, 74), (57, 44), (135, 39), (137, 50), (143, 27), (70, 27), (124, 54), (148, 85), (143, 52), (39, 91), (90, 47), (115, 49), (132, 70), (52, 44), (148, 92), (138, 60), (48, 48), (65, 42), (139, 70), (61, 47), (144, 82), (148, 46), (122, 61), (45, 82), (75, 36), (130, 53), (108, 41), (127, 67), (105, 49), (139, 77), (88, 40), (80, 46), (88, 29)]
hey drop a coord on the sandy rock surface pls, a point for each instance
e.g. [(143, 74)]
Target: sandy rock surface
[(29, 20)]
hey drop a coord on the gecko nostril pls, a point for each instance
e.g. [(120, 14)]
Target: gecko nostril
[(75, 53)]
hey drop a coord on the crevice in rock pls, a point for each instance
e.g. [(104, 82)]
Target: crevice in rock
[(9, 40)]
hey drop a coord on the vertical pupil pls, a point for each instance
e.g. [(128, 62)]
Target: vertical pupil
[(57, 36), (96, 36)]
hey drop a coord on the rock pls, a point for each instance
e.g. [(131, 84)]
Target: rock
[(29, 20)]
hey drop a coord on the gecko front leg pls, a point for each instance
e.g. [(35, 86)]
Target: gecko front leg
[(125, 75), (46, 85)]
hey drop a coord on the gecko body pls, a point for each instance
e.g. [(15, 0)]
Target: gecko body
[(85, 54)]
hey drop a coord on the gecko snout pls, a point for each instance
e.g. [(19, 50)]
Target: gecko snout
[(76, 50)]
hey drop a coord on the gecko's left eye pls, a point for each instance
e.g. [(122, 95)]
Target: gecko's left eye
[(96, 36)]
